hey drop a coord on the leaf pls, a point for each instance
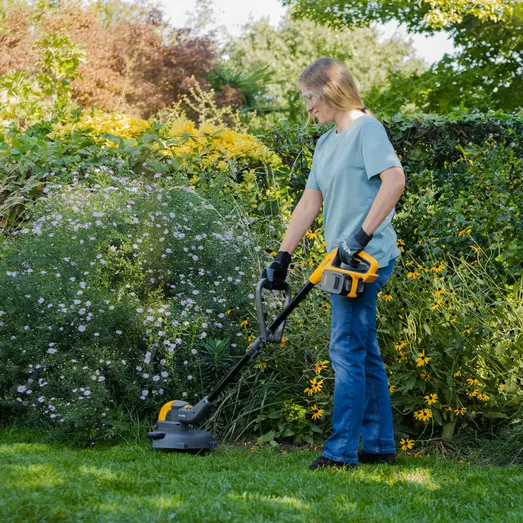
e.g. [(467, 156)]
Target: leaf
[(427, 329), (410, 384), (437, 416), (495, 415), (448, 431), (266, 437)]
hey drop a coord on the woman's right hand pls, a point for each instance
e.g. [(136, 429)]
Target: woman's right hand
[(276, 272)]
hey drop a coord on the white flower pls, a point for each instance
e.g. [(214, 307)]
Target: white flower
[(51, 351), (87, 393), (156, 378), (21, 388), (81, 328)]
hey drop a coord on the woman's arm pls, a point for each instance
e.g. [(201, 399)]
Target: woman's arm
[(392, 186), (302, 217)]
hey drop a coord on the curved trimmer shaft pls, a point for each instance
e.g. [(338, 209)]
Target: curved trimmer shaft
[(199, 412)]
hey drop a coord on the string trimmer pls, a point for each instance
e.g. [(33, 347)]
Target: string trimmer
[(175, 428)]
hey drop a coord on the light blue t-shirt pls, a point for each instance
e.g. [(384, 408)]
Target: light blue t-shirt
[(345, 168)]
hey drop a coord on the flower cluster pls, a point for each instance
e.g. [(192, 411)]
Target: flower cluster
[(116, 288)]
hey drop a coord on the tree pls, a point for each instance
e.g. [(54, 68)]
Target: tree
[(289, 48), (484, 73), (151, 71)]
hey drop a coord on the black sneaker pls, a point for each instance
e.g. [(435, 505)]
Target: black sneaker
[(323, 462), (365, 457)]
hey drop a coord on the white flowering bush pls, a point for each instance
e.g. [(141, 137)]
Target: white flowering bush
[(108, 296)]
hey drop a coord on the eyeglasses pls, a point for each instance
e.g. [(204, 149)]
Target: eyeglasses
[(309, 97)]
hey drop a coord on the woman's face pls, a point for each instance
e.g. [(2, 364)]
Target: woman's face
[(316, 105)]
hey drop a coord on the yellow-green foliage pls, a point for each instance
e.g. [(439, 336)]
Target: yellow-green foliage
[(98, 122), (212, 145)]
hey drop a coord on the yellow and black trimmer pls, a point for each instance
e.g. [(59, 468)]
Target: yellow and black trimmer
[(175, 428)]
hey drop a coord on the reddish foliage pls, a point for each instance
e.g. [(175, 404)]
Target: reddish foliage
[(135, 64)]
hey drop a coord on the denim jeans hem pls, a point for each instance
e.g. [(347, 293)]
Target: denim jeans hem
[(336, 458), (386, 450)]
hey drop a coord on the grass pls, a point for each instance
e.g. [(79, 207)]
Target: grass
[(132, 482)]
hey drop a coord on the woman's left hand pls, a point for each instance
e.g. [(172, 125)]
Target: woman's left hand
[(355, 243)]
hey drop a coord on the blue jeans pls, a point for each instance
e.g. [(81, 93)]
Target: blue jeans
[(361, 392)]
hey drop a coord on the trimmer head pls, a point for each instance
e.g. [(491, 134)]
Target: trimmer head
[(173, 434)]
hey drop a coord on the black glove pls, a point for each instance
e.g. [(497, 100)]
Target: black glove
[(276, 272), (352, 245)]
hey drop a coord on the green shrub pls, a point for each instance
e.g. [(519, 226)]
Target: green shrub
[(108, 295), (461, 212)]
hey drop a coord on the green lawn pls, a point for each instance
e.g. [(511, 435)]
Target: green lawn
[(48, 482)]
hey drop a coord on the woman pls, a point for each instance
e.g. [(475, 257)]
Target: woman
[(358, 178)]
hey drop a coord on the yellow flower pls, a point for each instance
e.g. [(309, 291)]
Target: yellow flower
[(392, 388), (431, 398), (262, 364), (228, 312), (318, 413), (309, 391), (465, 231), (244, 323), (310, 235), (473, 393), (423, 414), (471, 381), (483, 397), (400, 346), (413, 275), (452, 319), (434, 306), (321, 365), (425, 376), (387, 297), (439, 292), (457, 373), (316, 385), (406, 444), (422, 359), (273, 253), (467, 331), (460, 411), (284, 340), (438, 268), (401, 245)]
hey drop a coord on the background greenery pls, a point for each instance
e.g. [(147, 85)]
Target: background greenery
[(218, 157)]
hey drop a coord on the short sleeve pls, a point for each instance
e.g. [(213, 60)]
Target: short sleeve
[(377, 151), (312, 181)]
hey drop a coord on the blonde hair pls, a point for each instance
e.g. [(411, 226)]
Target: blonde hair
[(332, 79)]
